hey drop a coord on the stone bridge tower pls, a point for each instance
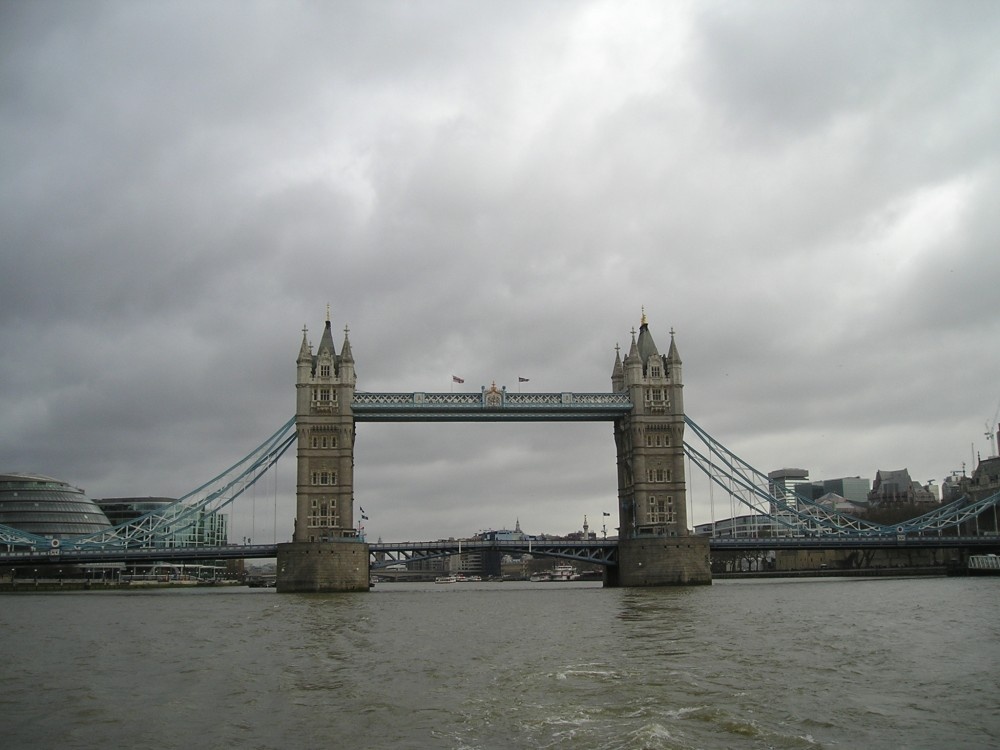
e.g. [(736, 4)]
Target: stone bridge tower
[(655, 545), (324, 391), (326, 553)]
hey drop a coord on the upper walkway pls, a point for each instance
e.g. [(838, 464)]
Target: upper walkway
[(490, 405)]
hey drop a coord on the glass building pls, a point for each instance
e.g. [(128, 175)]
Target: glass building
[(182, 530), (48, 507)]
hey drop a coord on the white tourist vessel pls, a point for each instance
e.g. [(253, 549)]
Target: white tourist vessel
[(560, 572)]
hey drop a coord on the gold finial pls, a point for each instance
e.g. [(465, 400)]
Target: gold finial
[(643, 315)]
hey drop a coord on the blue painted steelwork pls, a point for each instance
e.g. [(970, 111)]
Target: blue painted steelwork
[(158, 528), (804, 516), (604, 552), (491, 405)]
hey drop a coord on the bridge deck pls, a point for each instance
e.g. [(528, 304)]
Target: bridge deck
[(599, 552)]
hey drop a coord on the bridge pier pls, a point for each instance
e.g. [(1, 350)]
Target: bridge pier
[(323, 567), (661, 561)]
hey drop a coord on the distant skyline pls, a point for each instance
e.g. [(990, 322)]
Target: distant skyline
[(805, 192)]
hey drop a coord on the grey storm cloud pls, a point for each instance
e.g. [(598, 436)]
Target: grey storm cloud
[(805, 192)]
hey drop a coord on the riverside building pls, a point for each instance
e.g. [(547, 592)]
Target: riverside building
[(48, 507)]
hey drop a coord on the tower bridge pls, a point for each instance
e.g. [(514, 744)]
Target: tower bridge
[(645, 405)]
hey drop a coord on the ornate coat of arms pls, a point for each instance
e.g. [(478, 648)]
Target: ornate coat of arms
[(493, 397)]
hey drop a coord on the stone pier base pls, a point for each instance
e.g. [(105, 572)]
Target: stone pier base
[(661, 561), (322, 567)]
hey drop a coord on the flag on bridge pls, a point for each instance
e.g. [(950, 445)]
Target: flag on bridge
[(522, 380), (456, 379)]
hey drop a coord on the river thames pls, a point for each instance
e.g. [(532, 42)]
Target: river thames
[(789, 663)]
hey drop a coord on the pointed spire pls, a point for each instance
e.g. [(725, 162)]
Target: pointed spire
[(345, 350), (647, 347), (305, 351), (326, 342), (633, 350), (617, 371), (672, 354)]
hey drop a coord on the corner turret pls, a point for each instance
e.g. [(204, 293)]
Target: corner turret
[(618, 372), (347, 374)]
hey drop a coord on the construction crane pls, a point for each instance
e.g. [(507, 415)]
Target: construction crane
[(991, 432)]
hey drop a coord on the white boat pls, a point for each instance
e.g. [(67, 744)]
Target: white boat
[(446, 579), (565, 572), (560, 572)]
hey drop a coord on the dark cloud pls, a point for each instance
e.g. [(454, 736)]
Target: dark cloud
[(804, 192)]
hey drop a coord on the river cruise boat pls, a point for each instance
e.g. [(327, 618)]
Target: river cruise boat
[(561, 572)]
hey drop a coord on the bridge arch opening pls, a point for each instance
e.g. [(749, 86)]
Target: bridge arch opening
[(444, 480)]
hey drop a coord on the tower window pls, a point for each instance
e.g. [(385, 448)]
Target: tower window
[(324, 371), (323, 478)]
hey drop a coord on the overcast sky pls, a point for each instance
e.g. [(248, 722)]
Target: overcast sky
[(806, 192)]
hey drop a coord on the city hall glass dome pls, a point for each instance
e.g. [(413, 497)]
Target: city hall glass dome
[(47, 507)]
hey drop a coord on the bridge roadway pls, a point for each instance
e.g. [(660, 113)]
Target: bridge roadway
[(599, 552)]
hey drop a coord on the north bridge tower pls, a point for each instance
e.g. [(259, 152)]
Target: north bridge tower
[(326, 553)]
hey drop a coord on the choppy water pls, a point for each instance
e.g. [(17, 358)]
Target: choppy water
[(821, 663)]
